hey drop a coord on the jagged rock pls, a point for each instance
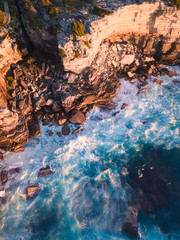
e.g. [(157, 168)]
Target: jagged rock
[(77, 118), (59, 134), (172, 74), (143, 90), (31, 191), (132, 80), (9, 174), (34, 127), (61, 121), (13, 130), (158, 81), (1, 154), (46, 171), (77, 130), (124, 105), (176, 81), (107, 106), (65, 130)]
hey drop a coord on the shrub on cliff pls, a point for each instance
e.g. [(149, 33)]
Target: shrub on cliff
[(9, 80), (2, 19), (78, 29), (44, 3), (54, 11), (100, 11)]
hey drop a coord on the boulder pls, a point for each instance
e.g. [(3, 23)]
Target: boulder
[(158, 81), (61, 121), (31, 191), (143, 90), (46, 171), (59, 133), (172, 74), (124, 105), (77, 130), (176, 81), (65, 130), (77, 117)]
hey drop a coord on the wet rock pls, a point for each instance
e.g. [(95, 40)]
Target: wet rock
[(46, 171), (130, 226), (9, 174), (132, 80), (61, 121), (124, 105), (31, 191), (158, 81), (172, 74), (77, 130), (77, 118), (50, 133), (143, 90), (1, 155), (114, 114), (59, 134), (176, 81), (65, 130), (46, 122), (34, 127), (4, 176), (107, 106)]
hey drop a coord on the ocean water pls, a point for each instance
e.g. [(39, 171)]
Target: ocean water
[(116, 165)]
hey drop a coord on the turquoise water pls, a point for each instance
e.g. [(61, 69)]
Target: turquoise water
[(98, 172)]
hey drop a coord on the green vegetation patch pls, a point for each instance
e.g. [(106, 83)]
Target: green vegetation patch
[(9, 80), (78, 29), (2, 19), (100, 11), (44, 3)]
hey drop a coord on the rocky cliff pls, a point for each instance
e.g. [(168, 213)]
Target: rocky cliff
[(153, 27), (128, 41)]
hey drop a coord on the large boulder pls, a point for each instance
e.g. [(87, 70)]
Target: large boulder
[(77, 118)]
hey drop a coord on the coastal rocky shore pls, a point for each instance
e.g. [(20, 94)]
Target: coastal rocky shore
[(132, 42), (58, 68)]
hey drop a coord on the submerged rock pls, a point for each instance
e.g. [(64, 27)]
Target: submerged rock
[(31, 191), (65, 130), (158, 81), (46, 171), (143, 90), (176, 81), (172, 73), (124, 105), (9, 174)]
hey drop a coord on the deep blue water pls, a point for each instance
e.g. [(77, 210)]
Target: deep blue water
[(116, 165)]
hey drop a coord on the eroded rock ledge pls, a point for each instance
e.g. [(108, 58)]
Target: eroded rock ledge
[(153, 27)]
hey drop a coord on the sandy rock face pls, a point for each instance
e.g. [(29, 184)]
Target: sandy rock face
[(159, 24), (13, 130), (9, 54)]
